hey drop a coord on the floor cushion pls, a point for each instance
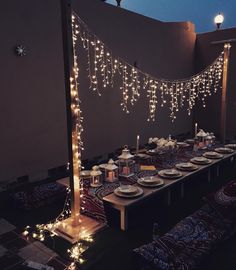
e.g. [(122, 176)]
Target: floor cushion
[(224, 201), (187, 243), (38, 196)]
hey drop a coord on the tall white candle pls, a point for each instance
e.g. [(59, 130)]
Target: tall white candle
[(137, 145), (195, 129)]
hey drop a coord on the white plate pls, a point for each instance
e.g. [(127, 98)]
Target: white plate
[(127, 189), (132, 195), (149, 179), (157, 183), (200, 160), (143, 156), (170, 172), (224, 150), (186, 166), (190, 141), (163, 174), (231, 146), (183, 144), (213, 155), (152, 151)]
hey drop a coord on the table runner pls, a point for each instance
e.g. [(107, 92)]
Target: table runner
[(93, 204)]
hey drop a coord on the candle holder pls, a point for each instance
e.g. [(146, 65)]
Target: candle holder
[(111, 171), (195, 130), (195, 144), (201, 135), (96, 175), (126, 163), (137, 145), (208, 141), (213, 138)]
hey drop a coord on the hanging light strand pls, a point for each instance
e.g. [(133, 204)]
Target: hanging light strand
[(177, 93)]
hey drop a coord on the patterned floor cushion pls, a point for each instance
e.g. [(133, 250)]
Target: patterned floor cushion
[(224, 201), (187, 243), (38, 196)]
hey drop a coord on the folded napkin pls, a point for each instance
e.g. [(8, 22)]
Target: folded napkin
[(147, 168)]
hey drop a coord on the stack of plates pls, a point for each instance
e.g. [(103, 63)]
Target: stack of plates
[(212, 155), (150, 181), (183, 144), (231, 146), (224, 150), (128, 191), (200, 160), (170, 173), (188, 166)]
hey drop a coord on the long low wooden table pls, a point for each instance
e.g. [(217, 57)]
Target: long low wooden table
[(124, 204)]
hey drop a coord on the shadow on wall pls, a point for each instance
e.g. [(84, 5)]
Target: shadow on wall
[(209, 117), (32, 100)]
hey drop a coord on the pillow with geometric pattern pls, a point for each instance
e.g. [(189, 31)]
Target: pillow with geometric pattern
[(224, 201)]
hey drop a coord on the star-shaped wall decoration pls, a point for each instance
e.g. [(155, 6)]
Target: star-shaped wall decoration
[(20, 50)]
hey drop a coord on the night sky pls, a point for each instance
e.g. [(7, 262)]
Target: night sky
[(200, 12)]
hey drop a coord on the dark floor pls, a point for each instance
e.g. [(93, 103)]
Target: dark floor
[(112, 248)]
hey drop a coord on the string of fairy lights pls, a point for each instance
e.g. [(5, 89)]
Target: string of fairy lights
[(103, 66), (41, 231)]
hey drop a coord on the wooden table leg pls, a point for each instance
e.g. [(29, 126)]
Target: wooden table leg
[(232, 160), (182, 190), (209, 176), (123, 219), (169, 197), (218, 171)]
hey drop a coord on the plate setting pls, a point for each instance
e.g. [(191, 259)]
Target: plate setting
[(189, 141), (188, 166), (155, 152), (170, 174), (128, 191), (224, 150), (150, 181), (183, 144), (231, 146), (212, 155), (200, 160), (142, 156)]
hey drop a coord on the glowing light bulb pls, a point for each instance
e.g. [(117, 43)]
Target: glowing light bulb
[(219, 19)]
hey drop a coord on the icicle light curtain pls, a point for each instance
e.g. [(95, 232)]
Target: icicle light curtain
[(103, 66)]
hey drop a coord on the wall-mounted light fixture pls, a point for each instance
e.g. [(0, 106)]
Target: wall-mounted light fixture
[(219, 20)]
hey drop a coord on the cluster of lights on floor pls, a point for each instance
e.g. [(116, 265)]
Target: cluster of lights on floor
[(40, 232)]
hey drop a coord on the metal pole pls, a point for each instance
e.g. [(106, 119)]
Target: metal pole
[(224, 92), (72, 118)]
